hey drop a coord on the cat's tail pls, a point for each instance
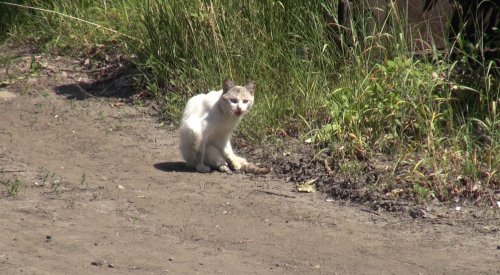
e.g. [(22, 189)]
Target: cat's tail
[(254, 169)]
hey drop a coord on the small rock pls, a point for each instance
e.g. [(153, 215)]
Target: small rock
[(258, 152), (111, 266), (96, 263), (317, 266)]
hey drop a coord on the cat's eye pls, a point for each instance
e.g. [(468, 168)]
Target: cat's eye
[(233, 100), (245, 101)]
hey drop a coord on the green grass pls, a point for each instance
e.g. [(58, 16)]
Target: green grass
[(367, 93), (50, 179), (12, 186)]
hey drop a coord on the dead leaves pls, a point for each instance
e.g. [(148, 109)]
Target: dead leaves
[(307, 186), (117, 104)]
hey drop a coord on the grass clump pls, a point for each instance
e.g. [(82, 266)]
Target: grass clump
[(194, 45), (364, 91), (67, 27), (12, 187)]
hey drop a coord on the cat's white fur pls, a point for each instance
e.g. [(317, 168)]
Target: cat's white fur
[(208, 122)]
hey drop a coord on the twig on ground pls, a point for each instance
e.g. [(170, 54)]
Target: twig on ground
[(276, 194), (12, 171), (370, 211)]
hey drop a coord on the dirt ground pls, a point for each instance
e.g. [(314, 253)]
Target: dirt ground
[(103, 190)]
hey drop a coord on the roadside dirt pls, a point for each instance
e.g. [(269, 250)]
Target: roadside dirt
[(103, 190)]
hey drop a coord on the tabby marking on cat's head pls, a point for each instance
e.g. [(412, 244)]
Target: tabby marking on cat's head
[(238, 99)]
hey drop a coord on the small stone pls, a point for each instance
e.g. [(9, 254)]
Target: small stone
[(317, 266), (96, 263), (258, 152)]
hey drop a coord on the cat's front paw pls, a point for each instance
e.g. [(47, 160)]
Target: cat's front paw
[(236, 166), (225, 169), (202, 169), (235, 163)]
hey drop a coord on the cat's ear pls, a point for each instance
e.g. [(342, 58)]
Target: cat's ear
[(251, 87), (228, 84)]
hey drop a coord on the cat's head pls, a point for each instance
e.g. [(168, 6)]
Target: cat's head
[(237, 100)]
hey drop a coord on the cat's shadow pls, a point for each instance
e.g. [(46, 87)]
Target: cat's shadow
[(173, 166)]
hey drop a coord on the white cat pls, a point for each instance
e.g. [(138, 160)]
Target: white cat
[(208, 122)]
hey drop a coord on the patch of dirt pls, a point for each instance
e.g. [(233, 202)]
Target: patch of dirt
[(103, 189), (362, 182)]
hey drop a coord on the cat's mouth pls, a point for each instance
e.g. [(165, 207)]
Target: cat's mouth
[(238, 112)]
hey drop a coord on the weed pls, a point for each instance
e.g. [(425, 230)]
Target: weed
[(12, 187), (55, 185), (83, 179), (72, 104), (35, 66), (422, 194), (49, 179)]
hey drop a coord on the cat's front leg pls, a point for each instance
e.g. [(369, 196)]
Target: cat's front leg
[(234, 162)]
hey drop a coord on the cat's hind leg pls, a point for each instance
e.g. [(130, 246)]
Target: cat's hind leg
[(187, 146), (193, 149), (214, 159)]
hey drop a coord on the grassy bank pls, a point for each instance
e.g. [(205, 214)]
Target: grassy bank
[(364, 97)]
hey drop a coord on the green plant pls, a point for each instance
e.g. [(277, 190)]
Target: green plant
[(83, 180), (422, 194), (35, 66), (47, 176), (55, 185), (12, 187), (49, 179)]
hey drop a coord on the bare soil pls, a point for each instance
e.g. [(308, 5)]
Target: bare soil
[(103, 190)]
